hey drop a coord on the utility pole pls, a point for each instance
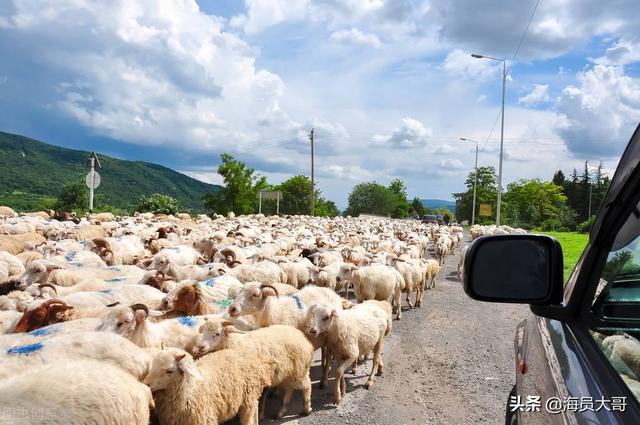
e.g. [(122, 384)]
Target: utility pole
[(313, 180), (475, 181)]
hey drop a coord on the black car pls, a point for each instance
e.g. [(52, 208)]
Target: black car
[(577, 355), (429, 219)]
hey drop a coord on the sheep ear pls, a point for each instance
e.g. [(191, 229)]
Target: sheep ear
[(156, 313), (190, 369), (334, 313), (232, 330)]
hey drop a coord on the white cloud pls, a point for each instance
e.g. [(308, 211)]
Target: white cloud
[(444, 150), (621, 53), (598, 115), (149, 75), (450, 163), (539, 94), (558, 25), (460, 64), (356, 37), (411, 134), (262, 14)]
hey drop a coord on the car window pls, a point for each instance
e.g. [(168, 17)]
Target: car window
[(617, 304)]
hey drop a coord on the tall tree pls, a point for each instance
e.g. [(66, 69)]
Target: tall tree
[(486, 194), (529, 203), (402, 208), (296, 199), (240, 191), (559, 179), (371, 198), (418, 207)]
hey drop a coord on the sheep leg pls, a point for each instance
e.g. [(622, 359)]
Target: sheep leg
[(341, 385), (248, 413), (418, 295), (354, 367), (376, 362), (305, 386), (398, 304), (262, 402), (288, 391), (409, 301)]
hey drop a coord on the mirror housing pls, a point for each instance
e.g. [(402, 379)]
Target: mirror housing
[(523, 269)]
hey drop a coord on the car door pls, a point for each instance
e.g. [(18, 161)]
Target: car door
[(579, 363)]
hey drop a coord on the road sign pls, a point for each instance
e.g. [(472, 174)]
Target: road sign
[(485, 210), (92, 183)]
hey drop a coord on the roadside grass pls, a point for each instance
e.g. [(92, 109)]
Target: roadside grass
[(572, 246)]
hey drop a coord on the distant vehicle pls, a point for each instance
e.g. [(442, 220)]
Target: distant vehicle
[(577, 355), (440, 219), (429, 219)]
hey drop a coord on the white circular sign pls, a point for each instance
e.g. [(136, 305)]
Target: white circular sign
[(96, 180)]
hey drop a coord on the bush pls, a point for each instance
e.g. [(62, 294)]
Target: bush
[(73, 196), (158, 204), (585, 226), (553, 225)]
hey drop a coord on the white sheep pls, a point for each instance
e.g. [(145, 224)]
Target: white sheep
[(287, 349), (103, 346), (376, 282), (211, 390), (75, 393), (350, 334)]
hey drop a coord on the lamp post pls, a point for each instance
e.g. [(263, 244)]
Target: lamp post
[(475, 181), (504, 82)]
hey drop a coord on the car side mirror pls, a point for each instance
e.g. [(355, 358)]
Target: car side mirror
[(524, 269)]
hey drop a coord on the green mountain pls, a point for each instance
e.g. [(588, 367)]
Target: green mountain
[(32, 172), (439, 203)]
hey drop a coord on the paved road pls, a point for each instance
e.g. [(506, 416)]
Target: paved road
[(449, 362)]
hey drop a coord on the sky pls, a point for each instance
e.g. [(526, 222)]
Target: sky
[(388, 85)]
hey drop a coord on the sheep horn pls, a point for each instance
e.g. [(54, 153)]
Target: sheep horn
[(140, 306), (49, 285), (272, 287)]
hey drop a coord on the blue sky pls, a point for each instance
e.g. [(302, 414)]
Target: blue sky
[(388, 85)]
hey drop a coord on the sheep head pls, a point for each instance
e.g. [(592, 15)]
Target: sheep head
[(319, 318), (251, 298), (187, 299), (170, 366), (213, 336), (44, 314)]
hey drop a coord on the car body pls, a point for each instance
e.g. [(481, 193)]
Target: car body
[(429, 219), (564, 350)]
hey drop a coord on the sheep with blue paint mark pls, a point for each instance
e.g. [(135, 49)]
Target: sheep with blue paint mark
[(106, 347), (197, 298)]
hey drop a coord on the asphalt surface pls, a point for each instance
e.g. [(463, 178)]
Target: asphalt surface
[(449, 362)]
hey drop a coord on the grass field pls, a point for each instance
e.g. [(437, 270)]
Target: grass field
[(572, 246)]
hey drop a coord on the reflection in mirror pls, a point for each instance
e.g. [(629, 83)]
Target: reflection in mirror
[(512, 269)]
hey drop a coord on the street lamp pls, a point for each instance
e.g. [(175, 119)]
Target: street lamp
[(504, 82), (475, 181)]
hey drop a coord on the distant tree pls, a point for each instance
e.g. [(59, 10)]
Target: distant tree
[(418, 207), (325, 208), (486, 194), (296, 198), (73, 197), (158, 204), (559, 179), (529, 203), (402, 208), (240, 191), (371, 198)]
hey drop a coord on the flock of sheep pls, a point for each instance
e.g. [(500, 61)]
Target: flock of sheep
[(190, 320)]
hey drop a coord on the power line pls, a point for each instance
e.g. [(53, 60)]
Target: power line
[(524, 34)]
